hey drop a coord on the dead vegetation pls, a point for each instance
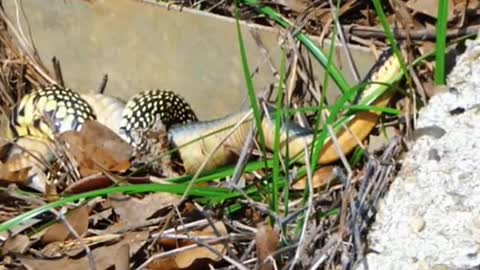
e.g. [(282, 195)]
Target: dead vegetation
[(146, 222)]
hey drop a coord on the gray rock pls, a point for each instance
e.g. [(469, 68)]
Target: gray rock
[(430, 217)]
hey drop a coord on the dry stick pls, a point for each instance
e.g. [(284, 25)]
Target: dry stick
[(182, 227), (103, 84), (399, 34), (19, 25), (301, 246), (243, 158), (215, 6), (293, 72), (232, 236), (58, 71), (324, 253), (3, 76), (266, 54), (26, 48), (245, 153), (365, 190), (40, 159), (394, 149), (248, 250), (423, 95), (209, 156), (418, 84), (312, 86), (339, 151), (30, 35), (65, 222), (346, 48), (215, 230), (328, 23), (355, 232), (193, 246)]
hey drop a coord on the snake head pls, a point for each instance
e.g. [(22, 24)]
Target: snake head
[(155, 108)]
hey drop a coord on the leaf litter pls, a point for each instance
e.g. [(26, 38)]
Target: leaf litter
[(165, 231)]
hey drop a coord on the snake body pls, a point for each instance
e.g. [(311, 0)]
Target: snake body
[(293, 138), (54, 109)]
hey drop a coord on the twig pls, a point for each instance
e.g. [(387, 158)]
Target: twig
[(346, 48), (58, 71), (399, 34), (67, 224), (103, 84), (190, 247)]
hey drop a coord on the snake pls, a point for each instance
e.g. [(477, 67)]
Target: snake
[(54, 109)]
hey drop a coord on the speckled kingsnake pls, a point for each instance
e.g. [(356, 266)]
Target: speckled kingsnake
[(64, 110)]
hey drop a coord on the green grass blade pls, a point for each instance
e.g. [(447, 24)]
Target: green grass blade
[(276, 144), (317, 147), (440, 43), (390, 37), (248, 80), (335, 74), (179, 189)]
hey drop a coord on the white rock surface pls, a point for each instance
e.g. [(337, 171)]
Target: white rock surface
[(430, 218)]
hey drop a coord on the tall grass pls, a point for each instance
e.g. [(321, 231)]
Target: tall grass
[(441, 41)]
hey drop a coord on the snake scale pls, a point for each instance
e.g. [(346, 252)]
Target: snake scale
[(53, 109)]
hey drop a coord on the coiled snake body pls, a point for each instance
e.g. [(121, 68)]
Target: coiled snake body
[(53, 110)]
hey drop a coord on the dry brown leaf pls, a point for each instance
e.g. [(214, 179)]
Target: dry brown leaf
[(19, 176), (199, 255), (403, 14), (430, 7), (295, 5), (4, 126), (96, 145), (75, 247), (164, 264), (17, 244), (102, 255), (122, 257), (321, 177), (185, 259), (267, 242), (128, 208), (77, 218), (19, 164)]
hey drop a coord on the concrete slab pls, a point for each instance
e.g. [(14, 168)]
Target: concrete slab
[(144, 45)]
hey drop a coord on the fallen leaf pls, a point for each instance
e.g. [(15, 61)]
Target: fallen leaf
[(127, 208), (4, 129), (266, 240), (19, 176), (122, 258), (101, 255), (17, 244), (429, 7), (77, 218), (22, 161), (96, 147), (404, 15), (198, 255), (321, 177)]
